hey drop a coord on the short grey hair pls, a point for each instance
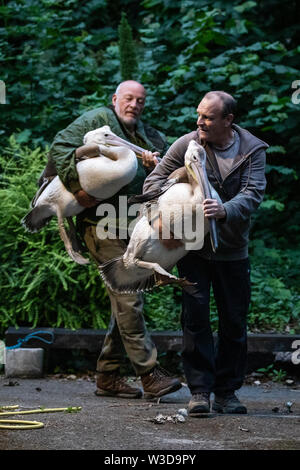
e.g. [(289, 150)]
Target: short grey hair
[(127, 81), (229, 103)]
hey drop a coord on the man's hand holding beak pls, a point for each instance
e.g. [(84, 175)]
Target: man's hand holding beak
[(85, 200), (213, 209), (150, 159)]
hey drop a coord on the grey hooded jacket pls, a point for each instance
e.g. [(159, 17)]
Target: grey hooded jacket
[(241, 189)]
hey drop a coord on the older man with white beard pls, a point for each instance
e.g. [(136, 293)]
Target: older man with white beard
[(127, 332)]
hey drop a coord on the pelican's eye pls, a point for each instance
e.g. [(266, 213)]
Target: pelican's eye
[(106, 135), (194, 158)]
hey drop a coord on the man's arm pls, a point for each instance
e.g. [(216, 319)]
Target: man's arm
[(253, 184), (62, 153)]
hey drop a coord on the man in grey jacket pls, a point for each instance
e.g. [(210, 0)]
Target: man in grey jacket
[(236, 169)]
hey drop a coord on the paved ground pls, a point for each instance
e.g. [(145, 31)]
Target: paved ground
[(120, 424)]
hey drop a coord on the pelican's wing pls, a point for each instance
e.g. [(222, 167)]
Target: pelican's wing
[(155, 193), (119, 280)]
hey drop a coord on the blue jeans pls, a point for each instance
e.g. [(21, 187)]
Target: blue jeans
[(220, 367)]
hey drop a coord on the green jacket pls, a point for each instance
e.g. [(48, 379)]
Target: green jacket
[(62, 151)]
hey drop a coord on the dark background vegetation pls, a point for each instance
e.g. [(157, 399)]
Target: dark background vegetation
[(61, 58)]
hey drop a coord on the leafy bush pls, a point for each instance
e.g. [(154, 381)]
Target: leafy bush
[(40, 284), (162, 307), (275, 302)]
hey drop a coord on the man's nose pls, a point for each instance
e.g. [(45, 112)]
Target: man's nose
[(134, 103)]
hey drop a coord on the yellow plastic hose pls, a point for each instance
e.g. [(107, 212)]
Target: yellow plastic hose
[(20, 424), (28, 424)]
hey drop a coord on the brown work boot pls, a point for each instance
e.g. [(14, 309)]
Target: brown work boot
[(158, 382), (111, 384)]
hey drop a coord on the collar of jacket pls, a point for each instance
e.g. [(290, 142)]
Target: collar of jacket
[(248, 145)]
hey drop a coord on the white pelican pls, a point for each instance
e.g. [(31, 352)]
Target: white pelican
[(146, 262), (101, 177)]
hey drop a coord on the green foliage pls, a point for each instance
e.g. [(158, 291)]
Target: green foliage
[(59, 59), (163, 307), (275, 304), (277, 375), (55, 60), (128, 60), (201, 47), (40, 285)]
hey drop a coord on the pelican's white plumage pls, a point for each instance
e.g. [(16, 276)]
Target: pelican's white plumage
[(147, 261), (101, 177)]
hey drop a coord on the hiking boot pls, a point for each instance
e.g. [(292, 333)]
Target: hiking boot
[(199, 404), (228, 403), (159, 382), (111, 384)]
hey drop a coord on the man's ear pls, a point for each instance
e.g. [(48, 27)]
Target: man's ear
[(228, 120), (114, 98)]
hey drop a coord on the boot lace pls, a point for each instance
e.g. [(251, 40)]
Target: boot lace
[(159, 371)]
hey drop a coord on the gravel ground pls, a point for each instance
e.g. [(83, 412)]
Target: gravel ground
[(106, 423)]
